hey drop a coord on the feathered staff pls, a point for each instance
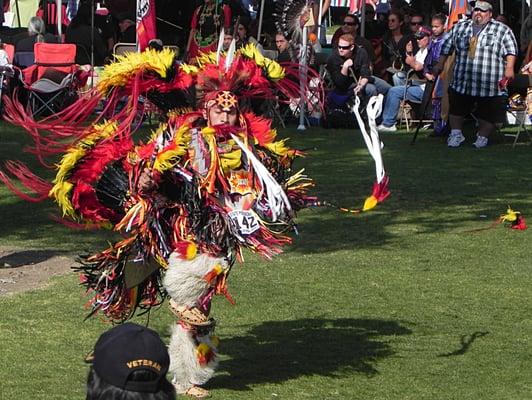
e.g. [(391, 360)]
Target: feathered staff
[(374, 144)]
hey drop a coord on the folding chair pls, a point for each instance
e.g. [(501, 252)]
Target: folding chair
[(407, 113), (51, 81), (517, 115), (120, 49)]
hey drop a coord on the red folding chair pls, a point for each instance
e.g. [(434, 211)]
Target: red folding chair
[(51, 80)]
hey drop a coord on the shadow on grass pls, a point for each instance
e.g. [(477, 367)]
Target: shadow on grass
[(277, 351), (465, 343), (26, 257)]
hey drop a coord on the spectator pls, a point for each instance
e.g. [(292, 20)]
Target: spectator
[(4, 59), (526, 32), (127, 29), (79, 32), (286, 52), (392, 41), (414, 56), (244, 36), (156, 44), (485, 51), (129, 362), (350, 26), (350, 72), (433, 56), (411, 92), (37, 33), (207, 20), (228, 38)]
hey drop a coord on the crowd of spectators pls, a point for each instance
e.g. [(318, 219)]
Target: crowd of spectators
[(406, 55), (397, 55)]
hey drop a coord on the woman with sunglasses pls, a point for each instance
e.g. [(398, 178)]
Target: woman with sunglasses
[(394, 44)]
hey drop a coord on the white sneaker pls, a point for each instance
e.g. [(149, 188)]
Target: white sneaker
[(455, 139), (482, 141), (384, 128)]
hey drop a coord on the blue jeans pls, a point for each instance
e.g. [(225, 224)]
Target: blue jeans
[(393, 101), (379, 86)]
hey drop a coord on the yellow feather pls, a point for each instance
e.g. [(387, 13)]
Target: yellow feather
[(61, 193), (371, 202), (278, 148), (125, 67)]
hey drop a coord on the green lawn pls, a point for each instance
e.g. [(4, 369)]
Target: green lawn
[(403, 302)]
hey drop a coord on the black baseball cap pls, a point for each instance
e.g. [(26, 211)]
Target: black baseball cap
[(127, 348)]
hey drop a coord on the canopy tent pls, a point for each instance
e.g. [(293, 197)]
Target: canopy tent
[(22, 11)]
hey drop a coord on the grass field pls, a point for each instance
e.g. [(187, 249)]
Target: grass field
[(403, 302)]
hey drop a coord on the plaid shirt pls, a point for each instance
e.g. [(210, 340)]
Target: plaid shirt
[(480, 75)]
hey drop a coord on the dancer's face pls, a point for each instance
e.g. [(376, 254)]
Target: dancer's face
[(219, 117)]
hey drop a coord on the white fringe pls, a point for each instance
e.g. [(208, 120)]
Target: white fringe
[(373, 142), (184, 278), (184, 365)]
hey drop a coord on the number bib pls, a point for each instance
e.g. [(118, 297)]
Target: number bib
[(246, 221)]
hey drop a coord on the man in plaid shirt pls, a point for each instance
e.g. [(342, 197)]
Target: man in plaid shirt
[(485, 51)]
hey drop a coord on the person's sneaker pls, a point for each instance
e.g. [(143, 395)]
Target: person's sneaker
[(384, 128), (482, 141), (455, 139)]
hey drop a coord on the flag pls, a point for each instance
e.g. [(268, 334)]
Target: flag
[(146, 20), (457, 9)]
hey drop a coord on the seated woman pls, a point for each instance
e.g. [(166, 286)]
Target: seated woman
[(244, 35), (36, 34)]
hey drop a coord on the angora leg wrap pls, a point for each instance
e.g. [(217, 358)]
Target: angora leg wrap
[(184, 364), (184, 278)]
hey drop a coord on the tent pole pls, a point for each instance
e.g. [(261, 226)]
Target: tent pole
[(302, 80), (18, 14), (320, 10), (59, 16), (261, 15), (363, 19)]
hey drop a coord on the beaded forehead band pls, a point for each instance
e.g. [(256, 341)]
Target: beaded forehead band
[(225, 100)]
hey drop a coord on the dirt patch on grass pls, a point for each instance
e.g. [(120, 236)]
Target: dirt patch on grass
[(22, 270)]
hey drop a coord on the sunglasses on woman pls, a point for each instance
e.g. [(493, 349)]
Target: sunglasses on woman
[(344, 47)]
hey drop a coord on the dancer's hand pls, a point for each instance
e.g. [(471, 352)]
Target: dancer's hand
[(146, 182)]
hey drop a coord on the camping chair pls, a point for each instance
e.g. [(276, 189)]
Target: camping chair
[(119, 49), (517, 115), (51, 80), (407, 110)]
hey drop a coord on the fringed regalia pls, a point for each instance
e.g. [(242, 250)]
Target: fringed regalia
[(186, 202)]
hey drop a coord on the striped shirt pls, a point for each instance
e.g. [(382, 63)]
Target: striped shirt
[(480, 75)]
